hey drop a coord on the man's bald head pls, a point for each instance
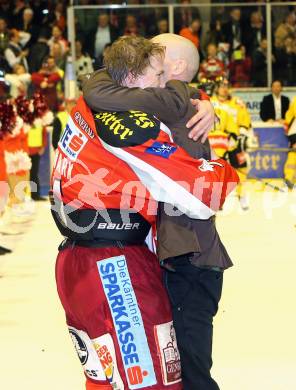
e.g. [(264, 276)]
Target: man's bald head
[(181, 57)]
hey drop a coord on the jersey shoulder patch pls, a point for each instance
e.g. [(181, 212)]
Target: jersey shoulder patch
[(128, 128)]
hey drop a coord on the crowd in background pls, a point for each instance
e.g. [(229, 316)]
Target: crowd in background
[(232, 42)]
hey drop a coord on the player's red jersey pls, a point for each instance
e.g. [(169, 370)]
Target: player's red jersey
[(128, 160)]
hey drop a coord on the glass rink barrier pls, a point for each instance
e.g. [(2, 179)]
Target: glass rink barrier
[(254, 42), (255, 38)]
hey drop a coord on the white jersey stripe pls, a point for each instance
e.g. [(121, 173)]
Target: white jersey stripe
[(162, 187), (166, 130)]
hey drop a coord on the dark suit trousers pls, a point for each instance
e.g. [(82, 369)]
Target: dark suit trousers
[(194, 294)]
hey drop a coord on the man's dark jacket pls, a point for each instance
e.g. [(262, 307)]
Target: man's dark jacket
[(267, 109)]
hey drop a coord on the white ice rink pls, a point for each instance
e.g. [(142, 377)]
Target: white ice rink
[(255, 330)]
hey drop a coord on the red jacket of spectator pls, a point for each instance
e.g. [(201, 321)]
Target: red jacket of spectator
[(240, 72), (187, 33), (50, 90), (211, 68)]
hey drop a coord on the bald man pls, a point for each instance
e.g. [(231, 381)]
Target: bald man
[(190, 250)]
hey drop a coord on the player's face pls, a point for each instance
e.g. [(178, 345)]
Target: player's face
[(223, 91), (152, 76)]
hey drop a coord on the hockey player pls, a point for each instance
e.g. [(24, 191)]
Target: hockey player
[(235, 121), (105, 188), (290, 165)]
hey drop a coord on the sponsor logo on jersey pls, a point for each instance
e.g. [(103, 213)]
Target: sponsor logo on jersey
[(79, 345), (168, 353), (126, 128), (63, 165), (87, 354), (128, 322), (208, 165), (115, 124), (72, 141), (161, 149), (106, 353), (83, 124)]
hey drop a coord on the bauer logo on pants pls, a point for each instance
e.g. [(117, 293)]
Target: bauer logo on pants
[(168, 353), (128, 322)]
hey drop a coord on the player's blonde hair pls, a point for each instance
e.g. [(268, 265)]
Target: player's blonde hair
[(130, 56)]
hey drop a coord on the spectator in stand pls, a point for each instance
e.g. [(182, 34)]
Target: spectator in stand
[(57, 37), (53, 67), (254, 33), (38, 52), (274, 106), (232, 31), (212, 67), (184, 15), (14, 53), (99, 62), (4, 39), (223, 54), (44, 14), (287, 29), (60, 18), (285, 66), (214, 34), (60, 121), (192, 32), (4, 35), (6, 8), (240, 68), (80, 32), (83, 63), (19, 81), (104, 33), (131, 26), (46, 81), (162, 26), (220, 13), (28, 26), (156, 14), (17, 13), (259, 65), (59, 57)]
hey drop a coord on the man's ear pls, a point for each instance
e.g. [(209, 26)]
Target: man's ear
[(179, 67)]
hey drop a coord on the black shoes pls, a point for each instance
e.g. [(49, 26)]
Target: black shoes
[(4, 251), (38, 198)]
